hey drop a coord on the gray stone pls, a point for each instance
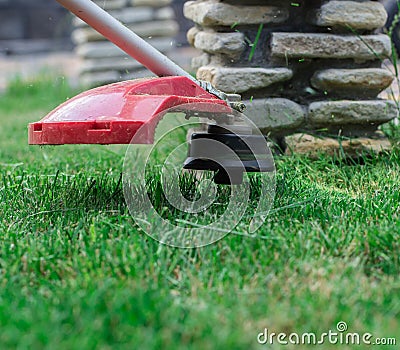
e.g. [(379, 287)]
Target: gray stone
[(101, 49), (137, 74), (145, 29), (127, 16), (311, 45), (99, 78), (237, 80), (372, 80), (110, 4), (121, 64), (356, 15), (220, 61), (275, 114), (215, 13), (340, 113), (191, 35), (164, 13), (151, 3), (313, 146), (231, 44), (104, 49), (199, 61), (130, 15)]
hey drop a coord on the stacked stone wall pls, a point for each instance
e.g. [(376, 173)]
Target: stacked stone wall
[(103, 62), (308, 65)]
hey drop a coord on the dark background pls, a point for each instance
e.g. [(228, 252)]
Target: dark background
[(28, 26), (39, 25)]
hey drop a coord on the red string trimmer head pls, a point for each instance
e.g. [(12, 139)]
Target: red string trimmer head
[(112, 114)]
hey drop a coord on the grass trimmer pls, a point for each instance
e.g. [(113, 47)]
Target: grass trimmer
[(114, 113)]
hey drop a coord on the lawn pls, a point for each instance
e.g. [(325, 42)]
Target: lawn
[(77, 273)]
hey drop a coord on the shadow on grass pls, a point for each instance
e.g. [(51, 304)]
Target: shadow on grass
[(34, 203)]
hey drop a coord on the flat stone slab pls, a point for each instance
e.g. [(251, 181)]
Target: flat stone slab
[(275, 114), (231, 44), (215, 13), (367, 15), (138, 74), (165, 28), (314, 146), (129, 15), (338, 113), (151, 3), (312, 45), (99, 78), (121, 64), (110, 4), (237, 80), (372, 80), (106, 49), (100, 49)]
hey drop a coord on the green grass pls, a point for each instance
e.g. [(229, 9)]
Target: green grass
[(76, 273)]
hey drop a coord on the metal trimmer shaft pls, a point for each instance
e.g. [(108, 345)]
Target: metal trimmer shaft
[(124, 38), (135, 46)]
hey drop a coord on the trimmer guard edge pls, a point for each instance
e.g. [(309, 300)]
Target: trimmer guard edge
[(113, 113)]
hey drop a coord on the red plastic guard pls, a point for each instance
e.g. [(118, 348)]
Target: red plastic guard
[(112, 114)]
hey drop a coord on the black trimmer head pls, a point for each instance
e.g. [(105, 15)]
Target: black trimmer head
[(228, 154)]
